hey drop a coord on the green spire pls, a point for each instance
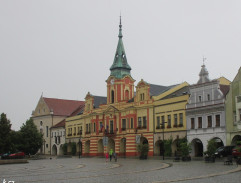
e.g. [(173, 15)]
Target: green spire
[(120, 67)]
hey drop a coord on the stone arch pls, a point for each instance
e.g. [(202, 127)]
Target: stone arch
[(197, 148), (123, 147), (143, 140), (235, 139), (218, 141), (100, 147), (158, 148), (87, 147), (111, 144), (54, 150)]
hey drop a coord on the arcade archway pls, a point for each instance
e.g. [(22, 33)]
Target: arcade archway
[(197, 148), (54, 150)]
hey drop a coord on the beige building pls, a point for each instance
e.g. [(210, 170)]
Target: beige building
[(49, 112)]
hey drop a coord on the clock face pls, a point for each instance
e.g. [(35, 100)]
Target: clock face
[(112, 81)]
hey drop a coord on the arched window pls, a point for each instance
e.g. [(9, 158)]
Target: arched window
[(127, 95), (112, 96)]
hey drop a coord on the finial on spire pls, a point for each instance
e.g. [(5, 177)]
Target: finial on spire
[(120, 29), (204, 60)]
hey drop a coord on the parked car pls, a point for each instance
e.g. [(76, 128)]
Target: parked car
[(17, 155), (224, 151), (5, 156), (236, 151)]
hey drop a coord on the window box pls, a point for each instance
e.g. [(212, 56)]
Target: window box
[(158, 127), (123, 129), (168, 126), (144, 127), (175, 125)]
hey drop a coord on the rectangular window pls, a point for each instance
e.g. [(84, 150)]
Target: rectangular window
[(144, 122), (47, 131), (175, 120), (209, 121), (132, 123), (74, 130), (89, 128), (158, 123), (217, 120), (199, 122), (123, 124), (163, 122), (169, 123), (86, 128), (139, 122), (208, 97), (200, 98), (101, 127), (94, 127), (192, 123), (181, 119)]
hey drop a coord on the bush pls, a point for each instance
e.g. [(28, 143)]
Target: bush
[(143, 149), (168, 147), (185, 149), (65, 147), (211, 147), (73, 148)]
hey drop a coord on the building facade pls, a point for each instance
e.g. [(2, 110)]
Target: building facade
[(233, 111), (205, 112), (49, 112)]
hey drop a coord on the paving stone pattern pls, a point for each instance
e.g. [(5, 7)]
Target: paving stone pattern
[(92, 170)]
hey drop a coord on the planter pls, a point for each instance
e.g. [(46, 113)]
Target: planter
[(142, 157)]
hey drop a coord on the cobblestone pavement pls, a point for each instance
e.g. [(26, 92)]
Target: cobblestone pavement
[(92, 170)]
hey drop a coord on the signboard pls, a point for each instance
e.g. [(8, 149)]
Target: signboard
[(105, 141), (138, 139)]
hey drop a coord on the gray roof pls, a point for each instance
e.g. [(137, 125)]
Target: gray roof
[(98, 100), (180, 92), (156, 90)]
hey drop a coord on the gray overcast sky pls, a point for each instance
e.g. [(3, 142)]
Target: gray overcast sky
[(65, 48)]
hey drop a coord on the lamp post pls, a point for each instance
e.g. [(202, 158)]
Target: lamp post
[(163, 126), (52, 114), (79, 142)]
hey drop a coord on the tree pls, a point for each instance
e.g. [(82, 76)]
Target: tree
[(5, 138), (30, 138), (185, 149), (143, 149)]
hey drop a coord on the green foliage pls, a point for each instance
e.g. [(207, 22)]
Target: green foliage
[(238, 143), (65, 147), (143, 149), (5, 136), (168, 147), (211, 147), (185, 149), (30, 138), (73, 148)]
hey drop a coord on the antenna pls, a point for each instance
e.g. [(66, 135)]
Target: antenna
[(204, 60)]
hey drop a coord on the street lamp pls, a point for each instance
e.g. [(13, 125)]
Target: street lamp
[(79, 142), (163, 126)]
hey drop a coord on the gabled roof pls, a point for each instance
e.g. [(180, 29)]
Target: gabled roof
[(62, 107), (156, 90)]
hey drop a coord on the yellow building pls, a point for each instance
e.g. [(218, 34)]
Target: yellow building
[(126, 118)]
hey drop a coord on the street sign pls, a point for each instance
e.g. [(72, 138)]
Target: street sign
[(105, 141), (138, 139)]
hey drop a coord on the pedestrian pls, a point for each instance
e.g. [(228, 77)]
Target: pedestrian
[(106, 157), (110, 154)]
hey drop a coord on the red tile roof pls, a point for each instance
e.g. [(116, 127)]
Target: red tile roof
[(62, 107)]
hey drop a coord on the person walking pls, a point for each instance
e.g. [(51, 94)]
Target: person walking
[(106, 157), (111, 153), (115, 156)]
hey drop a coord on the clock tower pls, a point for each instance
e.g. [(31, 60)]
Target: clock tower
[(120, 84)]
